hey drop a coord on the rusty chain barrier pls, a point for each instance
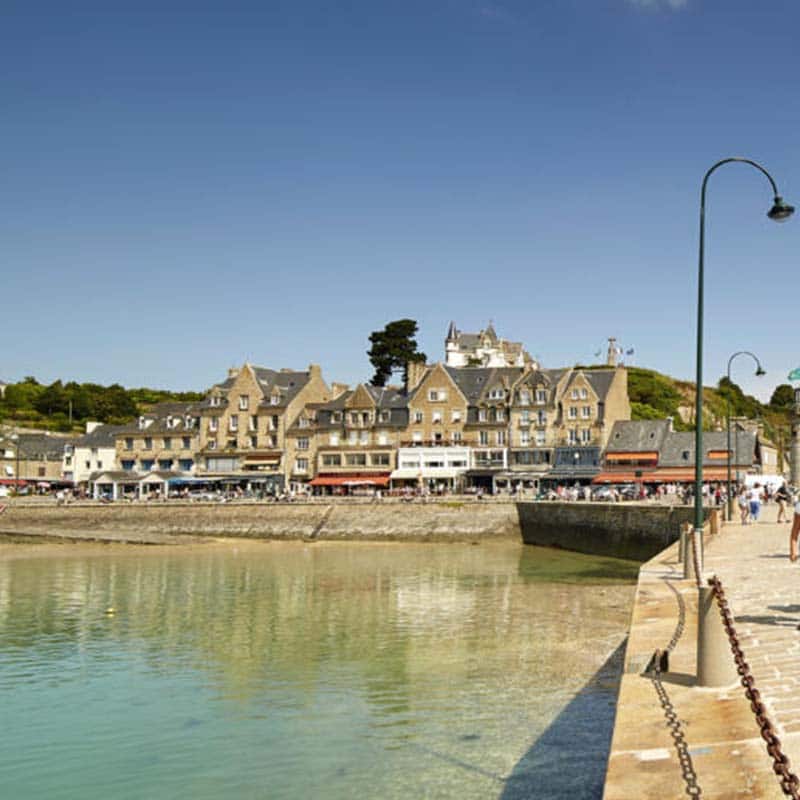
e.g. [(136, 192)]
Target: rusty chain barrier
[(670, 714), (789, 782)]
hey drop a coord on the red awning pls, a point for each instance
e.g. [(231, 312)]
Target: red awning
[(351, 480), (13, 482), (686, 474), (648, 455)]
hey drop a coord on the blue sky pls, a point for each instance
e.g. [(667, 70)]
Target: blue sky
[(186, 186)]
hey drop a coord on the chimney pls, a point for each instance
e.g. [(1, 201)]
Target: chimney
[(338, 389), (415, 372), (314, 371), (233, 372)]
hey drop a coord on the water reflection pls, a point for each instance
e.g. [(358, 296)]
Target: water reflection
[(339, 669)]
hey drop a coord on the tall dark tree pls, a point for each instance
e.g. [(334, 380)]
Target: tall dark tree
[(392, 348), (782, 397)]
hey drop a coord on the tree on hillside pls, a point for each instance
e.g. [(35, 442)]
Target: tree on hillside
[(782, 397), (392, 348), (741, 404)]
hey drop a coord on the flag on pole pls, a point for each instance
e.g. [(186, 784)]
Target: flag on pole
[(794, 375)]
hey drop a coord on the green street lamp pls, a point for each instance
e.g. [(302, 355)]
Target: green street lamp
[(780, 212), (759, 373)]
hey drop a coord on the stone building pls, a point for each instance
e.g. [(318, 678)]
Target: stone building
[(652, 452), (244, 423), (165, 439), (483, 349), (32, 458), (357, 437)]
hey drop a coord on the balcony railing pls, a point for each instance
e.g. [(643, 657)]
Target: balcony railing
[(433, 443)]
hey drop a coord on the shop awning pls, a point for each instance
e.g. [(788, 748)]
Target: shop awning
[(686, 474), (350, 480), (427, 474), (619, 477), (633, 456)]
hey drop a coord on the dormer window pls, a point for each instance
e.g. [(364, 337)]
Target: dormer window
[(275, 399), (244, 402), (541, 396), (497, 394), (170, 421), (524, 397), (141, 423), (215, 400)]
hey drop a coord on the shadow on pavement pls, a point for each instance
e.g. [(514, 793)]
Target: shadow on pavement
[(569, 759)]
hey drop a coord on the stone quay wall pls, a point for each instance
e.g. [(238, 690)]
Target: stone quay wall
[(624, 530), (384, 521)]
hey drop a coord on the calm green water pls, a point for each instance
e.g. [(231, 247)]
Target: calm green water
[(297, 671)]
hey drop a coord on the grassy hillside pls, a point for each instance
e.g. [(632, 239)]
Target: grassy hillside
[(65, 407), (655, 396)]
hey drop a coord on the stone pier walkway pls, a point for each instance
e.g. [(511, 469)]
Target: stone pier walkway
[(676, 739)]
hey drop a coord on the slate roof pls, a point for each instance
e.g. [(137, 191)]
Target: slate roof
[(630, 436), (387, 398), (38, 446), (676, 444), (158, 416), (475, 381), (101, 436)]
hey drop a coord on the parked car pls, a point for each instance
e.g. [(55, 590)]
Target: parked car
[(603, 493)]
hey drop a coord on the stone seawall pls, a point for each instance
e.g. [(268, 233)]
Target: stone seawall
[(387, 521), (624, 530)]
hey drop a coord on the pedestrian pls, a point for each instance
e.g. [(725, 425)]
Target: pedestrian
[(795, 531), (783, 498), (755, 501), (744, 508)]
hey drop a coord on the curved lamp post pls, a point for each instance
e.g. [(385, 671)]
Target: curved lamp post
[(779, 212), (759, 373)]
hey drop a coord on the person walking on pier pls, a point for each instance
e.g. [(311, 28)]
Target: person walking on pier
[(744, 508), (783, 497), (755, 501)]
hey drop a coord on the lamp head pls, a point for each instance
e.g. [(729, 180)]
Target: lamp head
[(780, 211), (760, 371)]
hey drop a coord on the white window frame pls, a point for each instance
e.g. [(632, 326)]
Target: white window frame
[(244, 402)]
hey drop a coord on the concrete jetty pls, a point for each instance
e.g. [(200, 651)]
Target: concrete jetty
[(673, 738)]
